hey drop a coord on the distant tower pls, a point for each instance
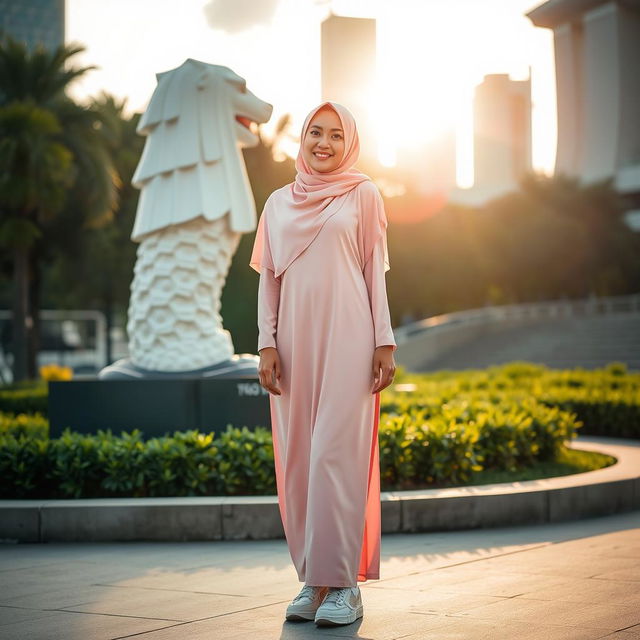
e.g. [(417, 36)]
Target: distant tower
[(597, 53), (502, 132), (34, 21), (348, 54)]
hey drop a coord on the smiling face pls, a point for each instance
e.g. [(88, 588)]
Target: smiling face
[(323, 144)]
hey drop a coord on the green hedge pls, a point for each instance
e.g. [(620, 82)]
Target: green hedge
[(469, 435), (435, 429), (26, 397), (33, 425), (188, 463), (413, 450), (606, 401)]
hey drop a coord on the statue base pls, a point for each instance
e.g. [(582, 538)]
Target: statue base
[(125, 397), (238, 365)]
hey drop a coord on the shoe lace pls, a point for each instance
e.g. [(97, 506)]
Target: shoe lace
[(307, 590), (337, 595)]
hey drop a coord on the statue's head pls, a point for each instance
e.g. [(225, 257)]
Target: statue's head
[(246, 108), (198, 118)]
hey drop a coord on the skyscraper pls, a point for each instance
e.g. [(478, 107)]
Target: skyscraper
[(34, 21), (597, 54), (348, 58), (502, 133)]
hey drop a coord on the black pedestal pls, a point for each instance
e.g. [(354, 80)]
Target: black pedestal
[(157, 406)]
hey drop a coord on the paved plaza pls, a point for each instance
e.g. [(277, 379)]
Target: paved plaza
[(578, 580)]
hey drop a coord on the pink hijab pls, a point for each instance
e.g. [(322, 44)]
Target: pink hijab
[(297, 211)]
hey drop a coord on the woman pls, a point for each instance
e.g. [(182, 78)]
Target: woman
[(326, 351)]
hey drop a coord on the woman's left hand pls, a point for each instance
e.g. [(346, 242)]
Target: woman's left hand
[(384, 368)]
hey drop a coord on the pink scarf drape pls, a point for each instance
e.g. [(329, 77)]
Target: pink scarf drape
[(294, 214)]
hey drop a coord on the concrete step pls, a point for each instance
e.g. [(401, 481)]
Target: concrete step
[(588, 342)]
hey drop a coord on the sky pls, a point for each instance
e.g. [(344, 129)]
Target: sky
[(430, 53)]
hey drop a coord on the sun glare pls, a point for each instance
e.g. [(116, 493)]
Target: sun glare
[(423, 96), (421, 101)]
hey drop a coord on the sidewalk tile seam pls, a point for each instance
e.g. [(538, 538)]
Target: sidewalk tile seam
[(142, 633), (113, 615), (528, 622), (196, 620), (204, 593), (465, 562)]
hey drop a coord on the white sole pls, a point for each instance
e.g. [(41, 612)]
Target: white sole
[(301, 616), (326, 621)]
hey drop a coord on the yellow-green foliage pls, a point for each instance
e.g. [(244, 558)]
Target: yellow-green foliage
[(24, 398), (606, 401), (32, 425), (467, 433), (434, 429)]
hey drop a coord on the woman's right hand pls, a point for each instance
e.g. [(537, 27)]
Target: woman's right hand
[(268, 369)]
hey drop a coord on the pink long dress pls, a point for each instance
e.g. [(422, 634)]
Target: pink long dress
[(325, 314)]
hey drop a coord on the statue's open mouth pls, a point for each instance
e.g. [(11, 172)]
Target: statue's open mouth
[(247, 123)]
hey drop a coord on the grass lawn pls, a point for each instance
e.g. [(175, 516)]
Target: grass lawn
[(569, 461)]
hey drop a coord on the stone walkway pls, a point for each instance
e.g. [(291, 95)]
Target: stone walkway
[(563, 581)]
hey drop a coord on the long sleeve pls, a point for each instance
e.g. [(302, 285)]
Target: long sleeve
[(268, 302), (268, 286), (374, 275)]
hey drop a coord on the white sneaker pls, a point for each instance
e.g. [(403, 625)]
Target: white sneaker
[(342, 605), (305, 604)]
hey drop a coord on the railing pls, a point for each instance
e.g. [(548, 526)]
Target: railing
[(530, 310)]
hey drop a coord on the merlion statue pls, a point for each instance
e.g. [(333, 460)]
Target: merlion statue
[(194, 204)]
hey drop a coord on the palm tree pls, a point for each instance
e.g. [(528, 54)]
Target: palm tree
[(48, 145), (35, 169), (103, 252)]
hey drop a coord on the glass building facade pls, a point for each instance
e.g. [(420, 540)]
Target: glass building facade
[(34, 21)]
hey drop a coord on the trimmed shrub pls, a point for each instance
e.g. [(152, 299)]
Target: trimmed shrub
[(24, 398), (435, 429)]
